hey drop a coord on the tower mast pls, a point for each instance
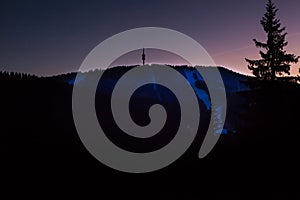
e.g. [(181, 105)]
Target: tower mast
[(143, 56)]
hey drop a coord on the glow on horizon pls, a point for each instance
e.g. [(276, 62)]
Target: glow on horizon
[(234, 58)]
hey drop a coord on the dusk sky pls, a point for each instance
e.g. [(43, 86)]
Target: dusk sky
[(47, 37)]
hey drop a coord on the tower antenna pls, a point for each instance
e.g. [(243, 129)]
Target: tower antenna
[(143, 56)]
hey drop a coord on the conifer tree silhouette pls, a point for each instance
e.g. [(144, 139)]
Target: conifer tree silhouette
[(275, 61)]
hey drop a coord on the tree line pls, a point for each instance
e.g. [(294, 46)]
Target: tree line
[(15, 76)]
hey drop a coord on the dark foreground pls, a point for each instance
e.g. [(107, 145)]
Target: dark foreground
[(256, 158)]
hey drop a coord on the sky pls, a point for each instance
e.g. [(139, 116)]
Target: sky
[(54, 36)]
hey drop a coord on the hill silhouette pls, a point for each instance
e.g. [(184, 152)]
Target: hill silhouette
[(259, 142)]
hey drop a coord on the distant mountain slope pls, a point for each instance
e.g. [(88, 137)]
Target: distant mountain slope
[(233, 81)]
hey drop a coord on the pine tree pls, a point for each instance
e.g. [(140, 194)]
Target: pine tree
[(275, 61)]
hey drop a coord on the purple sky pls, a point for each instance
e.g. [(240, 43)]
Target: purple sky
[(52, 37)]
